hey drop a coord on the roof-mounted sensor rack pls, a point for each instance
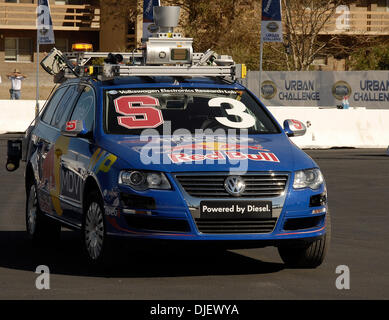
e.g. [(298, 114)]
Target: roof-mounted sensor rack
[(165, 53)]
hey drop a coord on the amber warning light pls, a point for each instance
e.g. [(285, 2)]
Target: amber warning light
[(82, 47)]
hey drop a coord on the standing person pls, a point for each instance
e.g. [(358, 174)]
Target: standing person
[(16, 84)]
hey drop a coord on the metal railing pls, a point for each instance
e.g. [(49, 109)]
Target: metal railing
[(22, 16)]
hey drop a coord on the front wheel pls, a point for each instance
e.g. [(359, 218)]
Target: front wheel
[(95, 241), (309, 256)]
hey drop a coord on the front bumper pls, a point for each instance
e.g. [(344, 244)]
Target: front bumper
[(173, 217)]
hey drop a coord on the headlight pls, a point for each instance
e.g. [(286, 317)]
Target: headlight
[(311, 178), (141, 180)]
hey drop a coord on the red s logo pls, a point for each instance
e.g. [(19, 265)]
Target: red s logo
[(138, 112), (71, 125), (297, 125)]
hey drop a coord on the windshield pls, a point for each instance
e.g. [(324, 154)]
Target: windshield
[(130, 111)]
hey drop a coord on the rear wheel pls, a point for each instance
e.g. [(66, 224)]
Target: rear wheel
[(39, 227), (310, 255)]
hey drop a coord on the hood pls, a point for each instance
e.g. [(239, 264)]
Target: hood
[(267, 152)]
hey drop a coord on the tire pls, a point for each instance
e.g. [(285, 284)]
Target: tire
[(95, 242), (40, 228), (309, 256)]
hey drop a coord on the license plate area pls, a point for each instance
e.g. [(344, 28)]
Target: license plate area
[(235, 209)]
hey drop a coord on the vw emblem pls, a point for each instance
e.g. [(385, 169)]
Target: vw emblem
[(234, 185)]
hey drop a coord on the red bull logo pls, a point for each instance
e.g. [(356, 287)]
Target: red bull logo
[(222, 155), (213, 146), (220, 151)]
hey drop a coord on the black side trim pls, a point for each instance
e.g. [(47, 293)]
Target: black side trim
[(318, 200), (157, 224), (137, 202), (303, 223)]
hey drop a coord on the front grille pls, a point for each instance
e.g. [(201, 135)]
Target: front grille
[(236, 225), (212, 186)]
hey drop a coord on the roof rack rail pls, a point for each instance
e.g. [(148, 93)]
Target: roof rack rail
[(135, 68), (234, 71)]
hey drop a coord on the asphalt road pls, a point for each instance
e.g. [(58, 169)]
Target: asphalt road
[(358, 187)]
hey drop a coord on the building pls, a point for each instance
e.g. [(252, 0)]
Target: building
[(74, 21), (112, 28), (364, 18)]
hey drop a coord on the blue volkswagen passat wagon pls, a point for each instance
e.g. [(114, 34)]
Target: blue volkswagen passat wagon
[(173, 158)]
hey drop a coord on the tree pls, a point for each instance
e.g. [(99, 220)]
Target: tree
[(227, 26), (375, 57), (119, 9), (115, 17), (233, 27), (305, 23)]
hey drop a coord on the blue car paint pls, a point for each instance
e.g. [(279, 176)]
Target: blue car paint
[(103, 160)]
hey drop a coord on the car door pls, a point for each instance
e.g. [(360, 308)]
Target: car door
[(42, 137), (75, 162), (48, 142)]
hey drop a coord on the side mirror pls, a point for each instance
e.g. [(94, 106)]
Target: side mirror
[(294, 128), (74, 128)]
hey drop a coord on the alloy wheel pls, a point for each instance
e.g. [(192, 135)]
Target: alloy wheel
[(32, 211), (94, 230)]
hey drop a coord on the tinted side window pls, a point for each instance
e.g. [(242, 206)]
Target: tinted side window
[(84, 109), (62, 112), (52, 105)]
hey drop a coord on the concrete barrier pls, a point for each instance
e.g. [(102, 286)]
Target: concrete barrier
[(326, 128), (16, 115)]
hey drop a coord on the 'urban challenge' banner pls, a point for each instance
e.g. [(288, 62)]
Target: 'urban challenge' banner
[(148, 16), (271, 25), (44, 23), (368, 89)]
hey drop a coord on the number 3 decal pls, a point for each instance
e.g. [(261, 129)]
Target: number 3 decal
[(132, 106), (238, 109)]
